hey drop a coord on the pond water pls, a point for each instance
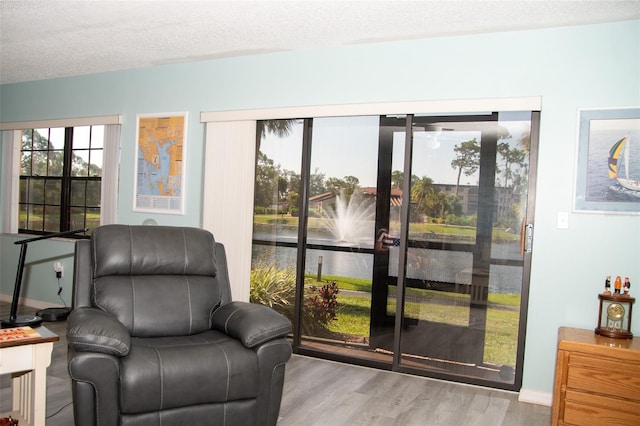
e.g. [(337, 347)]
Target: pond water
[(426, 264)]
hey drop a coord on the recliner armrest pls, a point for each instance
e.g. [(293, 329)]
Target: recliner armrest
[(93, 330), (250, 323)]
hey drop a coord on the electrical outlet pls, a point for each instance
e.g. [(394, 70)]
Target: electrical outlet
[(57, 267)]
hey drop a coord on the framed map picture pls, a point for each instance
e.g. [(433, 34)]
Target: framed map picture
[(608, 166), (159, 175)]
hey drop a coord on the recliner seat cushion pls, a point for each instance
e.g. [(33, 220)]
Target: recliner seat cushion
[(234, 413), (154, 376)]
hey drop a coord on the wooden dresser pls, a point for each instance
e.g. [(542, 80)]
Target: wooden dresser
[(597, 380)]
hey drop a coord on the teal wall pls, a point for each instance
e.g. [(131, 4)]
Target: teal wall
[(593, 66), (39, 280)]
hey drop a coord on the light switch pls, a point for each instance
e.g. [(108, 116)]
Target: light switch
[(563, 220)]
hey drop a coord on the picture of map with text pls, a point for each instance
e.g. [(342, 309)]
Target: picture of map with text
[(159, 168)]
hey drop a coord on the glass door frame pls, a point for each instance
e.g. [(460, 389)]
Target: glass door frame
[(395, 364), (526, 249)]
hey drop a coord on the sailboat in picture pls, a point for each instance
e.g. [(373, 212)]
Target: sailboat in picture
[(617, 150)]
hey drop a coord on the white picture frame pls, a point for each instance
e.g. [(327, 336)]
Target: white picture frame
[(159, 178), (599, 185)]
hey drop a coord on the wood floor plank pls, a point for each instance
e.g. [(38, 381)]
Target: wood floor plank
[(326, 393), (488, 407)]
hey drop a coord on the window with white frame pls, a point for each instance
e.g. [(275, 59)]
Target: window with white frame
[(63, 174), (60, 179)]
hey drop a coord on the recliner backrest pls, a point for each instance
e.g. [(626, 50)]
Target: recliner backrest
[(157, 280)]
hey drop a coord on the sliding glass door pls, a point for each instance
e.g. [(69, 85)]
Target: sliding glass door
[(399, 241), (454, 285)]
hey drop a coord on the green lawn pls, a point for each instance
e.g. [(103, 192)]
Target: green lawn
[(361, 284), (53, 221), (353, 316), (353, 313), (501, 342)]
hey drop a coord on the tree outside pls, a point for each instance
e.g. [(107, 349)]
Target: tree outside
[(42, 171)]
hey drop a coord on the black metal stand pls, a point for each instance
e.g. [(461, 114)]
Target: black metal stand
[(24, 320)]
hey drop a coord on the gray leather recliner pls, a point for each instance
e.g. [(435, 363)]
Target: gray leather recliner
[(154, 338)]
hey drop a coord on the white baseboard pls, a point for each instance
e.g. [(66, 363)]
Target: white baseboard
[(38, 304), (535, 397)]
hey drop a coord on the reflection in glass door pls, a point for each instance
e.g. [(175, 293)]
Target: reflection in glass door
[(335, 307), (409, 252), (460, 262)]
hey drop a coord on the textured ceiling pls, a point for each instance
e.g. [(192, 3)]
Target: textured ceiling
[(43, 39)]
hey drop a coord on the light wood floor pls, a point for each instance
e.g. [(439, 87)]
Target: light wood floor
[(319, 392)]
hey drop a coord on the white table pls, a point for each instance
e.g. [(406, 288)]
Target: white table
[(27, 362)]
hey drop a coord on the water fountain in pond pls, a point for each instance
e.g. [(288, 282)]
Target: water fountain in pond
[(351, 221)]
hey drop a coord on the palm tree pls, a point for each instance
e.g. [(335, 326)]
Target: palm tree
[(511, 157), (267, 173), (421, 191), (467, 159), (280, 128)]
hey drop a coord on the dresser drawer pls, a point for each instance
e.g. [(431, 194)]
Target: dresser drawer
[(627, 367), (604, 376), (590, 412), (597, 380), (603, 402)]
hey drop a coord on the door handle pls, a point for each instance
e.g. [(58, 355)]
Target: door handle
[(526, 238), (523, 230), (529, 238)]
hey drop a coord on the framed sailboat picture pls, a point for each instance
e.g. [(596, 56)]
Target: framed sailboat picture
[(608, 163)]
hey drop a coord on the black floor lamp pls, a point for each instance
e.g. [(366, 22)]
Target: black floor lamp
[(23, 320)]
